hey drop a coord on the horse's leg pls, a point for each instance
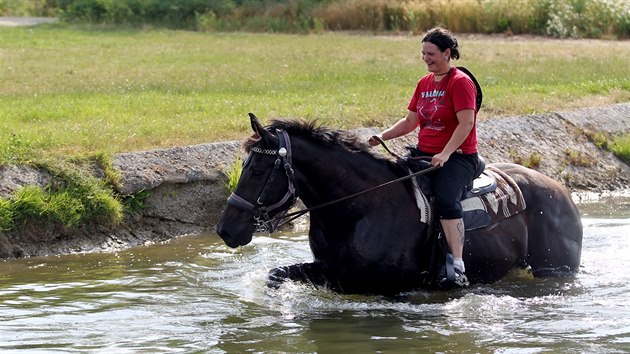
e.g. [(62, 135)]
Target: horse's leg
[(555, 234), (490, 253), (554, 226), (311, 273)]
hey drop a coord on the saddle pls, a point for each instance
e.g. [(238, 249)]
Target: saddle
[(491, 197)]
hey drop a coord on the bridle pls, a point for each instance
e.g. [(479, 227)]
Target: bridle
[(261, 213)]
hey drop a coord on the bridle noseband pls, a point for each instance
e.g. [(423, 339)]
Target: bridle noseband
[(261, 212)]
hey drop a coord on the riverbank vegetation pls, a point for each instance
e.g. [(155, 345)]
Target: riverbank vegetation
[(621, 147), (73, 197), (557, 18)]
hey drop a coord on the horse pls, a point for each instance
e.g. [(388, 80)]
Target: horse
[(371, 230)]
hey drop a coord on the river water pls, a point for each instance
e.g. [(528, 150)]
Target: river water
[(194, 294)]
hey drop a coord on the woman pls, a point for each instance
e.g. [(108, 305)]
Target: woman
[(443, 105)]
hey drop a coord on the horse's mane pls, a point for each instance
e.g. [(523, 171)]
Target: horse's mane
[(347, 140), (315, 131)]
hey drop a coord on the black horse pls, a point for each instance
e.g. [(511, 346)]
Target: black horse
[(383, 241)]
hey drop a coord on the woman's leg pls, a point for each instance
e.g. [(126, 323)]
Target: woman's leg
[(450, 185)]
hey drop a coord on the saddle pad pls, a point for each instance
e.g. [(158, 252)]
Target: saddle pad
[(486, 209)]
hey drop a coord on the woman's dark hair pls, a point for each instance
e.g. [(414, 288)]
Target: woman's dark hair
[(443, 39)]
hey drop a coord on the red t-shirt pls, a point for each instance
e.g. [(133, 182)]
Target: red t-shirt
[(437, 104)]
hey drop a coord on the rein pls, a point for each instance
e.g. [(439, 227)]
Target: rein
[(294, 215), (261, 213)]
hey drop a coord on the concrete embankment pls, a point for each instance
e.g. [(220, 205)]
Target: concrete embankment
[(187, 184)]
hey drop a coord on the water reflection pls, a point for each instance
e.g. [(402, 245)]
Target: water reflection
[(195, 294)]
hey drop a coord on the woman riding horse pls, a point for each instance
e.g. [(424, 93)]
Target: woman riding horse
[(444, 105), (373, 240)]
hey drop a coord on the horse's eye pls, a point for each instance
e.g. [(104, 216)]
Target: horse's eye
[(256, 168), (257, 171)]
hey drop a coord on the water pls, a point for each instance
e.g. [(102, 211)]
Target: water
[(194, 294)]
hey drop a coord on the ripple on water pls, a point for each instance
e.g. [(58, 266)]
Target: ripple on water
[(196, 294)]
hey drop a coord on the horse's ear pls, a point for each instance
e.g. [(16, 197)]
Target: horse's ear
[(259, 129), (256, 126)]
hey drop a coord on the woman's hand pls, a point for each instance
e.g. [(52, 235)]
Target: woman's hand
[(375, 140), (440, 159)]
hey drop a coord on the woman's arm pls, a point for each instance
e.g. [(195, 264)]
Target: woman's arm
[(400, 128)]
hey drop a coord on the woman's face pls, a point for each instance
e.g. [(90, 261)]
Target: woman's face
[(435, 58)]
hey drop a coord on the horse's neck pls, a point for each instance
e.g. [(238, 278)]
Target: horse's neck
[(328, 174), (382, 225)]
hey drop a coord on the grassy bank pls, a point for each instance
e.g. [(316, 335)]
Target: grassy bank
[(85, 90), (79, 92)]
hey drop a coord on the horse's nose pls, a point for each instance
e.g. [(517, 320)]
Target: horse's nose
[(221, 231), (225, 235)]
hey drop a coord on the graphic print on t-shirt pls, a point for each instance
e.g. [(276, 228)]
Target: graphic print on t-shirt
[(428, 104)]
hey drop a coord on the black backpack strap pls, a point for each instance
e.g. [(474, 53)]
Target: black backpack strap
[(474, 80)]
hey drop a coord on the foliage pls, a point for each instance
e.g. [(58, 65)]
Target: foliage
[(135, 203), (234, 174), (104, 162), (74, 196), (74, 180), (17, 8), (558, 18), (599, 138), (6, 215), (532, 161), (31, 202), (578, 158), (621, 148), (66, 206), (618, 145), (587, 18)]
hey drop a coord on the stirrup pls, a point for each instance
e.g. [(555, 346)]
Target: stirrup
[(461, 281)]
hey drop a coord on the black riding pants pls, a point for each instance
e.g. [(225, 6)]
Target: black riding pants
[(451, 182)]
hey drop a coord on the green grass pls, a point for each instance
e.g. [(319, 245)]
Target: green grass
[(621, 147), (68, 205), (81, 90), (234, 174), (72, 96), (6, 215)]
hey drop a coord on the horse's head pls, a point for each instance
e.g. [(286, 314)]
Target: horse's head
[(264, 190)]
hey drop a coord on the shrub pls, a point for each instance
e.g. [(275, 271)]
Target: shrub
[(68, 206), (578, 158), (45, 8), (621, 148), (558, 18), (135, 203), (6, 215), (234, 174), (531, 161), (586, 18)]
